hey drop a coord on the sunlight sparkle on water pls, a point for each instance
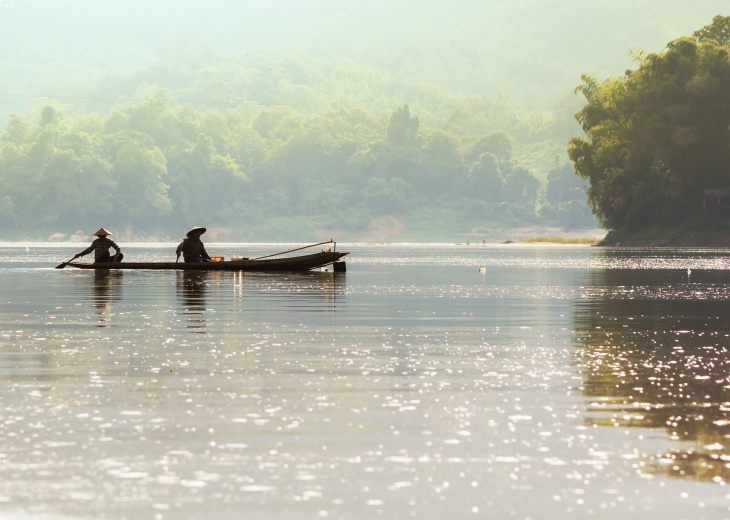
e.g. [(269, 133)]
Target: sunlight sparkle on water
[(559, 382)]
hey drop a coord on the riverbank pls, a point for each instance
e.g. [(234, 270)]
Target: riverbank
[(668, 237)]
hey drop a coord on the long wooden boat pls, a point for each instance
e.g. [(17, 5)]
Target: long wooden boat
[(291, 263)]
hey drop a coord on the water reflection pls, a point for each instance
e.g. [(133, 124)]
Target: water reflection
[(293, 291), (191, 292), (653, 350), (106, 290)]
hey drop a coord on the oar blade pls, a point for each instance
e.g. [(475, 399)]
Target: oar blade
[(61, 266)]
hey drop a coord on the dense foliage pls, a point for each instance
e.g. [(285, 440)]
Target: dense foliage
[(658, 136), (268, 172)]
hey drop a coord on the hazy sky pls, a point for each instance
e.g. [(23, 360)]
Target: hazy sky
[(514, 40), (242, 24)]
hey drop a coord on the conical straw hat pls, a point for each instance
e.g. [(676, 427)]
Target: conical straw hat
[(102, 232), (195, 228)]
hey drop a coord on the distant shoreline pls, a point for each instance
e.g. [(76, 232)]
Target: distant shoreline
[(556, 240), (473, 236)]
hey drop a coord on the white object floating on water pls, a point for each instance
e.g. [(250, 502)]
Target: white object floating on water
[(689, 272), (482, 269)]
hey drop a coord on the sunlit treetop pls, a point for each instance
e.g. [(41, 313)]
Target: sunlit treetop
[(718, 30)]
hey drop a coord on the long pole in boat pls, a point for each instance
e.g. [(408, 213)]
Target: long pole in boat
[(330, 241)]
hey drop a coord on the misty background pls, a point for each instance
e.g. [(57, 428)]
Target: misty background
[(489, 84)]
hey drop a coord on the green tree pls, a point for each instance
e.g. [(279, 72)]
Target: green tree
[(564, 185), (248, 148), (278, 123), (49, 116), (718, 30), (403, 128), (499, 144), (152, 116), (203, 182), (17, 131), (565, 198), (139, 169), (485, 179), (656, 137), (385, 196), (79, 189), (521, 187), (442, 171)]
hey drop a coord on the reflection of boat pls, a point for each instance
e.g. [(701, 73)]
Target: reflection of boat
[(106, 290), (295, 289), (292, 263), (191, 287)]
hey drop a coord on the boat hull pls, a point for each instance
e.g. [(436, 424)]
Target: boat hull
[(293, 263)]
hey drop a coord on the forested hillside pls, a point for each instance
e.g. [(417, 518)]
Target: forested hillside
[(290, 120), (271, 172)]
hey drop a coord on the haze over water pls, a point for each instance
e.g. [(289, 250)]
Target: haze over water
[(557, 382)]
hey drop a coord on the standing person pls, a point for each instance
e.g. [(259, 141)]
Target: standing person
[(192, 248), (100, 247)]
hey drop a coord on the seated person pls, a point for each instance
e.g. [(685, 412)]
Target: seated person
[(100, 247), (192, 248)]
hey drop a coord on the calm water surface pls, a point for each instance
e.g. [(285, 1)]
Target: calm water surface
[(432, 382)]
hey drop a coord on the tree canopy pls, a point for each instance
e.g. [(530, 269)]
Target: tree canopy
[(265, 170), (658, 136)]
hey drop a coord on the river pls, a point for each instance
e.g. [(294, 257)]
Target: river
[(428, 381)]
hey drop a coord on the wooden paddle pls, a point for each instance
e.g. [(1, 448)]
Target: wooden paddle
[(61, 266)]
